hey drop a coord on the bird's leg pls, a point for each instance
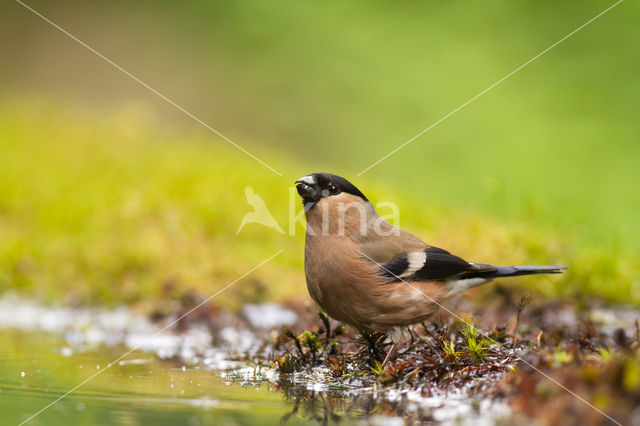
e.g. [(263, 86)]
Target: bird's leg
[(426, 330), (392, 351), (413, 337), (397, 335)]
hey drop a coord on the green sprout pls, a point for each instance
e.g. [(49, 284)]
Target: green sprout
[(605, 354), (477, 345), (377, 369), (449, 349), (477, 348), (290, 335), (561, 357), (311, 339)]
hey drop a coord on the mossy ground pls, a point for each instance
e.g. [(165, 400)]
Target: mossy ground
[(119, 209), (505, 358)]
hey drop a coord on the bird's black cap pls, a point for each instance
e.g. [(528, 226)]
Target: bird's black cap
[(316, 186)]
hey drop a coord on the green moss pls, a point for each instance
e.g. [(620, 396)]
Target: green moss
[(115, 209)]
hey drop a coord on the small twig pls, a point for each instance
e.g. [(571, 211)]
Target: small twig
[(524, 301), (290, 335)]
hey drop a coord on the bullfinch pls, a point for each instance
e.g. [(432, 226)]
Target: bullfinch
[(363, 271)]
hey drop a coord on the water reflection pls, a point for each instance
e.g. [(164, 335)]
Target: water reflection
[(141, 390), (346, 405), (187, 376), (329, 406)]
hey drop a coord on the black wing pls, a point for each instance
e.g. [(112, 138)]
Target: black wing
[(432, 263)]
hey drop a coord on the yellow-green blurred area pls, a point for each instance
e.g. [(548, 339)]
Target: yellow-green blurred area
[(108, 194)]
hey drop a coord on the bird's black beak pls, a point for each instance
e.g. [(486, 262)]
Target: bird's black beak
[(308, 189)]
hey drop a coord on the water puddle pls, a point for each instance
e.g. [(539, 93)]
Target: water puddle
[(195, 374), (140, 390), (190, 376)]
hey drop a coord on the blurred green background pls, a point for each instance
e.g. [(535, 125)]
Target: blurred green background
[(108, 194)]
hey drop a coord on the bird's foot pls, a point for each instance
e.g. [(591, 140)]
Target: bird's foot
[(390, 354)]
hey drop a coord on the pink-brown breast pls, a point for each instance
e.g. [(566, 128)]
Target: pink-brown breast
[(351, 288)]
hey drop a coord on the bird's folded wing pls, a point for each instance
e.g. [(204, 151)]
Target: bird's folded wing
[(431, 263), (381, 247)]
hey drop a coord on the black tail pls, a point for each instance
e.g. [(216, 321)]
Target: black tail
[(514, 271)]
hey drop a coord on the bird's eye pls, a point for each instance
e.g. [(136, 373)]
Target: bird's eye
[(332, 188)]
